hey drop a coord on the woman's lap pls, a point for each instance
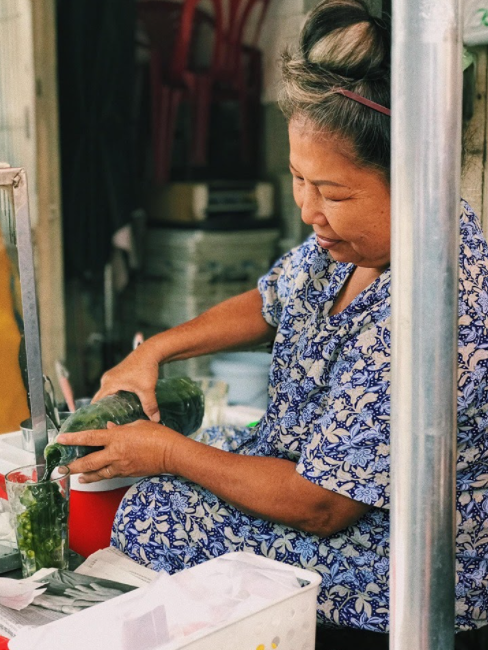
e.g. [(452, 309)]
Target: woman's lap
[(169, 523)]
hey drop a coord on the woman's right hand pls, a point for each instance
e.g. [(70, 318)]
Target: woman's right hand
[(137, 373)]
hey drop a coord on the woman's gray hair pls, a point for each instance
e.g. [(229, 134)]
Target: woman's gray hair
[(342, 46)]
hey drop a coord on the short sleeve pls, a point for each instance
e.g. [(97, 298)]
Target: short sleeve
[(274, 287), (348, 450)]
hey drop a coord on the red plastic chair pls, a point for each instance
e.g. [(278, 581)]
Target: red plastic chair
[(176, 73), (238, 13), (239, 76)]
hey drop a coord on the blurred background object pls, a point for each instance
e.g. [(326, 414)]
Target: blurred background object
[(168, 128), (13, 393)]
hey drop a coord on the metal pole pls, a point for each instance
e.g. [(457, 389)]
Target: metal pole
[(426, 155), (30, 317)]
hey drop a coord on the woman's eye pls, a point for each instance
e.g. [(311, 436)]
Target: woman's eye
[(336, 198)]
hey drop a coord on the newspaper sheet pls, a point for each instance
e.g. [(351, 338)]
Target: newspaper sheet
[(112, 564), (65, 593)]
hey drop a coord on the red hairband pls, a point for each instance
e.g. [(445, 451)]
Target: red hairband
[(362, 100)]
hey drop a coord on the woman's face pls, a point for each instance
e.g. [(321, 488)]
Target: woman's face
[(347, 206)]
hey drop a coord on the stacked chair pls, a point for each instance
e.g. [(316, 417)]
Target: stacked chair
[(201, 52)]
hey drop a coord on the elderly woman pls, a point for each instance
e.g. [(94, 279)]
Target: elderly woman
[(309, 484)]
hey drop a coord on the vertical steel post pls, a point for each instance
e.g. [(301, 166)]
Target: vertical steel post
[(18, 232), (426, 159), (30, 315)]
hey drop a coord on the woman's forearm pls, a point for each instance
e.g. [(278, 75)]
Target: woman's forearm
[(234, 323), (265, 487)]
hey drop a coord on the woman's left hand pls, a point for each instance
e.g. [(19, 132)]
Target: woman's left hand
[(142, 448)]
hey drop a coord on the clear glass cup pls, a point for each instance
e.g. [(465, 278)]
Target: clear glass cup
[(39, 511), (215, 392), (28, 442)]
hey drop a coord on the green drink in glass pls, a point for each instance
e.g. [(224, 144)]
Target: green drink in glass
[(40, 514)]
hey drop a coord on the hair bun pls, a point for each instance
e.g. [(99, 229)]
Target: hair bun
[(342, 37)]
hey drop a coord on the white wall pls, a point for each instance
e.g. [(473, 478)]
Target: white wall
[(17, 93), (282, 26), (283, 23)]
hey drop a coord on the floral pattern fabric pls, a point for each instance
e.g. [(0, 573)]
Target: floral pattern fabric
[(329, 412)]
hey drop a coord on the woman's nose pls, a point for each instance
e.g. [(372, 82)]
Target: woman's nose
[(312, 206)]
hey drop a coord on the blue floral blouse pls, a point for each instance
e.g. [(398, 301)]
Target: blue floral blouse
[(329, 411)]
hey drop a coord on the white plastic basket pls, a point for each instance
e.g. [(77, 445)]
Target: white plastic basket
[(287, 624)]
